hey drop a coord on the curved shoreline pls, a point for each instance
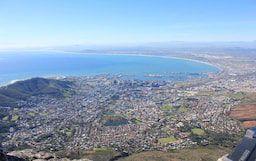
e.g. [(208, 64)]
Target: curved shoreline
[(134, 55), (172, 57)]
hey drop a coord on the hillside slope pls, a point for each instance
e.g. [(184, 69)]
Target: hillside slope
[(35, 86)]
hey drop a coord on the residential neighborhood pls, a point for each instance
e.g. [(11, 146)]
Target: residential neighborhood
[(127, 115)]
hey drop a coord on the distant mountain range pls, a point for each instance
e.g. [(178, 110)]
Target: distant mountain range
[(144, 46)]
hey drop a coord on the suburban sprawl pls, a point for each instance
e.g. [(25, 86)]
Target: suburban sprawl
[(108, 112)]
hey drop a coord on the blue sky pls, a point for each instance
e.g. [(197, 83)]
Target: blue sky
[(28, 23)]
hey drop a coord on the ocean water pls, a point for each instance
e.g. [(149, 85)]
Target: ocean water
[(24, 65)]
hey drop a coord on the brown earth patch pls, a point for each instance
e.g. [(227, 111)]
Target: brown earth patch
[(246, 113), (248, 124)]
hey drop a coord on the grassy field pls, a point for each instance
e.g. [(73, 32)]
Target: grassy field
[(5, 118), (169, 116), (68, 133), (67, 94), (197, 131), (167, 140), (137, 122), (166, 128), (14, 118), (182, 110), (31, 114), (112, 105), (207, 153), (167, 108), (44, 114)]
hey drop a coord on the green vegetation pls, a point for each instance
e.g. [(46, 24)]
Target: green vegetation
[(67, 94), (244, 97), (16, 148), (43, 137), (187, 133), (166, 128), (167, 140), (44, 114), (15, 109), (3, 114), (169, 116), (112, 105), (238, 95), (182, 110), (69, 133), (21, 90), (126, 115), (167, 108), (203, 153), (5, 118), (137, 121), (249, 98), (31, 114), (14, 118), (111, 119), (221, 139), (197, 131), (98, 154)]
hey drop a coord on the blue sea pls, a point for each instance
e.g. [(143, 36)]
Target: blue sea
[(24, 65)]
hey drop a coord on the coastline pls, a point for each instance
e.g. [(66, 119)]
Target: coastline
[(172, 57), (66, 52), (80, 53)]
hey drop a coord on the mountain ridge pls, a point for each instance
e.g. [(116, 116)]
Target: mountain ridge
[(21, 90)]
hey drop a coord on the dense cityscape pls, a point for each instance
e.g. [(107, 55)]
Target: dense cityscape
[(109, 113), (127, 80), (114, 113), (126, 115)]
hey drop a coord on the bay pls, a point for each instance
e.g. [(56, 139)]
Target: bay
[(24, 65)]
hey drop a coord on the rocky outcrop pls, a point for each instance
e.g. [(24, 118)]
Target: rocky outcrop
[(4, 157), (32, 154), (28, 154)]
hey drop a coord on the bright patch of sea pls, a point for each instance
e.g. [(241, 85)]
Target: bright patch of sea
[(24, 65)]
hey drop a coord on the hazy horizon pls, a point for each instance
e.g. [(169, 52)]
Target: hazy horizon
[(30, 24), (171, 45)]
